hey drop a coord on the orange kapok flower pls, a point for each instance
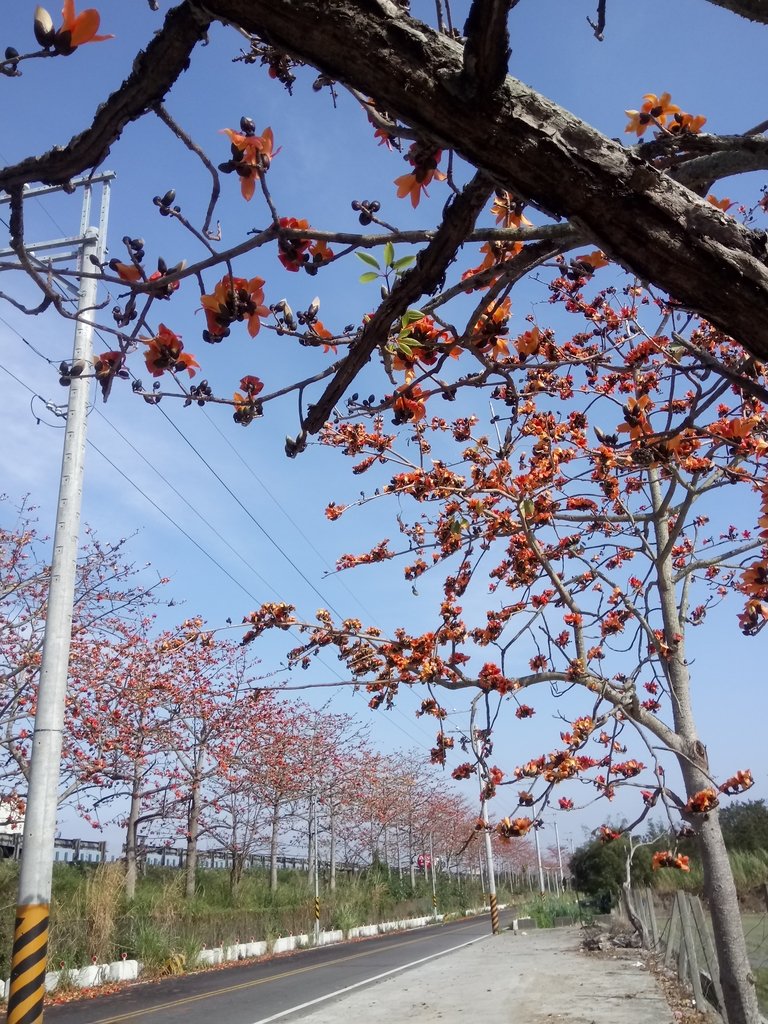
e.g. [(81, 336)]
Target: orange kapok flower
[(292, 252), (508, 829), (721, 204), (76, 29), (234, 299), (166, 352), (528, 342), (701, 802), (251, 157), (667, 859), (409, 405), (607, 835), (686, 124), (424, 171), (508, 211), (636, 418), (738, 783), (656, 108), (129, 272)]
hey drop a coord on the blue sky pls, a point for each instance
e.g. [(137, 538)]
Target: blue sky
[(711, 62)]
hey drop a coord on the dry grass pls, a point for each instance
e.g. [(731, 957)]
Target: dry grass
[(103, 895)]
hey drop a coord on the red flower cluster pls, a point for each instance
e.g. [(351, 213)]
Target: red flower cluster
[(666, 859)]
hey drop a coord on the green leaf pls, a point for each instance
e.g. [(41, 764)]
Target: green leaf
[(411, 316), (368, 276), (367, 258), (389, 254), (403, 262)]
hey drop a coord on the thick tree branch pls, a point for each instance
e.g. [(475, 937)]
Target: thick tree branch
[(153, 73), (431, 265), (486, 50), (755, 10), (636, 213)]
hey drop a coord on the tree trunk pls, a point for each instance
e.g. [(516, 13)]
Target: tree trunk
[(193, 831), (736, 979), (131, 843), (332, 851), (236, 871), (273, 845)]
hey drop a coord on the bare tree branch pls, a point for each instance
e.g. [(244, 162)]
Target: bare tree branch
[(636, 213), (153, 73), (486, 51), (430, 268)]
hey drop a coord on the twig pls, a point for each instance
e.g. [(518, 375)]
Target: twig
[(179, 132)]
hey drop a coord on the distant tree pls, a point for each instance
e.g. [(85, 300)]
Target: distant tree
[(745, 826), (599, 868)]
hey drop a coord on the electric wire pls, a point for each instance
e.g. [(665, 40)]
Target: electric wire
[(188, 536), (250, 514), (232, 494)]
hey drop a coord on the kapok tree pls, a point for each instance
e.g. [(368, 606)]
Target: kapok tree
[(442, 94), (603, 518), (120, 733), (107, 587)]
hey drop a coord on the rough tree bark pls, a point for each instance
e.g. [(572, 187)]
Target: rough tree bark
[(637, 214), (736, 979), (131, 838), (524, 141), (193, 832)]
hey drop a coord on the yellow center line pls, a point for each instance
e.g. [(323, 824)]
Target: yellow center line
[(186, 1000)]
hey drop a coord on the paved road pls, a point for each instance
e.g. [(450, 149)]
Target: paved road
[(283, 987)]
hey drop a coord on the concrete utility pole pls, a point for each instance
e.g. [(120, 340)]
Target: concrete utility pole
[(495, 927), (30, 940), (559, 858), (432, 867), (538, 861), (317, 872)]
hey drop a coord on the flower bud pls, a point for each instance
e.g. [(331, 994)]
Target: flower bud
[(43, 27)]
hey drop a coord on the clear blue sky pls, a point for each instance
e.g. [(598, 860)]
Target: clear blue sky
[(712, 63)]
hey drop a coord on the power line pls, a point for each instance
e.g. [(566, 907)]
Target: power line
[(250, 514), (188, 503), (232, 494), (284, 512)]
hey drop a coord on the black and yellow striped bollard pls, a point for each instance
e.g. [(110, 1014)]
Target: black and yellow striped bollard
[(494, 915), (28, 963)]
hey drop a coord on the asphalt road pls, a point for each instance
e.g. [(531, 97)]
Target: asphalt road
[(282, 988)]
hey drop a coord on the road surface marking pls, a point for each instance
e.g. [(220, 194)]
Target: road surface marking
[(184, 1001), (367, 981)]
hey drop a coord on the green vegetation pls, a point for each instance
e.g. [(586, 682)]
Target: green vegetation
[(544, 909), (745, 826), (92, 918)]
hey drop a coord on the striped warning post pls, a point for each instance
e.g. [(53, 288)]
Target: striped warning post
[(28, 963), (494, 915), (434, 902), (317, 908)]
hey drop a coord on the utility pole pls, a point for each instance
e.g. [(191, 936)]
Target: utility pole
[(559, 858), (495, 927), (538, 860), (30, 939), (317, 873), (432, 866)]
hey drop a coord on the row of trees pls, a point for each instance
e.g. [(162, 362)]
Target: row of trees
[(169, 735)]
